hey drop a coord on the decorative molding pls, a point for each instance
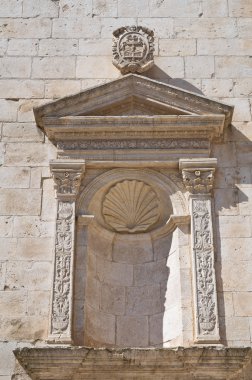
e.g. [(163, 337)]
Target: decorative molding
[(67, 175), (134, 144), (131, 206), (133, 48), (61, 314), (207, 329)]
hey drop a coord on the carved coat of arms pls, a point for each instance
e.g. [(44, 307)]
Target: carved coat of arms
[(133, 48)]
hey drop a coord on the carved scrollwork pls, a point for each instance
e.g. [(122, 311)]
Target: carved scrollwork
[(198, 181), (131, 206), (204, 265), (133, 48), (63, 254)]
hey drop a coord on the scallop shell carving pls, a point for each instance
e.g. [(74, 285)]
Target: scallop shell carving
[(131, 206)]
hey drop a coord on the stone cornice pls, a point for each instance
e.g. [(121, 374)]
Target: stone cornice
[(87, 363)]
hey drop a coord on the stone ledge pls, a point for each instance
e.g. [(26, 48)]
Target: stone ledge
[(75, 363)]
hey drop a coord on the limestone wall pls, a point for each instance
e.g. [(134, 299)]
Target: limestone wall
[(50, 49)]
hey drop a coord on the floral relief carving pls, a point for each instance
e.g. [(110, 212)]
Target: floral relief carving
[(63, 252), (131, 206), (204, 262), (133, 48), (198, 181), (67, 182)]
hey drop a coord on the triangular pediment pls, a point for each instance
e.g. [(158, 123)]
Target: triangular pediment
[(132, 95)]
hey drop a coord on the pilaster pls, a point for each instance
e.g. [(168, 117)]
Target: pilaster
[(67, 175), (198, 178)]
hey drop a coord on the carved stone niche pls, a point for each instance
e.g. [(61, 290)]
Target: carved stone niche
[(137, 279)]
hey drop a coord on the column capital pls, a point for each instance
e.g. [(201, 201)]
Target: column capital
[(67, 175), (198, 174)]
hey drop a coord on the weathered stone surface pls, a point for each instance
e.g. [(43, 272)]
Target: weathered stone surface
[(17, 132), (243, 304), (199, 67), (59, 46), (52, 67), (143, 300), (132, 331), (20, 202), (100, 328), (90, 67), (59, 88), (25, 28), (18, 46), (26, 154), (14, 177), (114, 273), (40, 8)]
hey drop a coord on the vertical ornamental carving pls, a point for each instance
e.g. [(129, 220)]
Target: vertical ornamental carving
[(199, 182), (67, 175)]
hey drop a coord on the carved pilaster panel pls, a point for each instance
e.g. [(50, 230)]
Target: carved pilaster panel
[(61, 315), (206, 312)]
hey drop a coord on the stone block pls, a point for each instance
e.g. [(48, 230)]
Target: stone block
[(2, 274), (156, 330), (17, 132), (220, 46), (131, 8), (59, 46), (236, 276), (230, 177), (235, 250), (132, 331), (38, 303), (32, 226), (162, 27), (28, 154), (109, 24), (205, 27), (241, 8), (20, 202), (225, 304), (40, 8), (11, 8), (29, 275), (234, 226), (6, 226), (13, 88), (100, 243), (244, 27), (25, 28), (225, 154), (215, 88), (173, 47), (26, 328), (172, 8), (8, 248), (93, 291), (106, 8), (157, 272), (23, 47), (91, 67), (37, 249), (214, 8), (100, 328), (226, 202), (244, 152), (2, 153), (79, 27), (3, 46), (173, 67), (87, 83), (243, 304), (95, 47), (75, 8), (53, 67), (143, 300), (233, 67), (162, 247), (199, 67), (172, 324), (236, 328), (14, 177), (36, 177), (244, 196), (49, 203), (13, 303), (8, 110), (132, 249), (243, 87), (241, 108), (7, 359), (113, 299), (114, 273), (60, 88), (25, 109)]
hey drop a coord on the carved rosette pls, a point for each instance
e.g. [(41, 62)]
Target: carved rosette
[(133, 48), (67, 175)]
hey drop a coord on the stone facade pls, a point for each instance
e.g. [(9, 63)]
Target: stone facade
[(52, 49)]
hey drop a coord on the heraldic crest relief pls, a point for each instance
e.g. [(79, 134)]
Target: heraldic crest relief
[(133, 48)]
